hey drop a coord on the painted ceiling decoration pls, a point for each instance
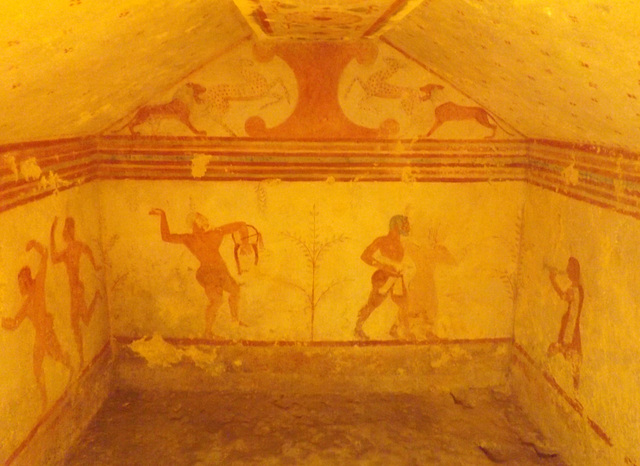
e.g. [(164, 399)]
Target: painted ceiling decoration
[(73, 67), (555, 70), (367, 90), (325, 20)]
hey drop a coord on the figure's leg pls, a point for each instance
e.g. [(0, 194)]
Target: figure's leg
[(214, 293), (428, 314), (63, 356), (483, 119), (575, 360), (554, 348), (54, 350), (193, 129), (233, 289), (393, 331), (403, 318), (435, 126), (375, 299), (88, 311), (576, 377), (77, 336), (237, 258), (38, 357), (256, 255)]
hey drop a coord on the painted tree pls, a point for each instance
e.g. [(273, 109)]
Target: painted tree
[(314, 248)]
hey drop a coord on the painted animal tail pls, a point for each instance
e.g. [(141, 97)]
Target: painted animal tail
[(129, 120), (499, 125)]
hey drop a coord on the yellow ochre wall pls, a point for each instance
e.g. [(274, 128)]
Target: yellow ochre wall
[(333, 162), (21, 406), (595, 416), (489, 221), (460, 258)]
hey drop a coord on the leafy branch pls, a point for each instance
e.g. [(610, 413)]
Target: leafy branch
[(314, 249)]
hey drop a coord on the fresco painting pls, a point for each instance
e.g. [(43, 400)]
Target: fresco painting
[(254, 86), (563, 293), (178, 108), (452, 112), (378, 84), (322, 21), (314, 247), (299, 266), (53, 323), (272, 91), (218, 99), (422, 290), (572, 314), (34, 307), (213, 275), (247, 242), (277, 279), (70, 256), (449, 273), (569, 344), (386, 254)]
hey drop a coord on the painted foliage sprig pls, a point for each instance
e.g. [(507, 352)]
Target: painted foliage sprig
[(314, 250)]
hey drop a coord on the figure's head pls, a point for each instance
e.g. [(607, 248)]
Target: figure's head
[(197, 90), (69, 229), (25, 281), (573, 269), (400, 224), (198, 222)]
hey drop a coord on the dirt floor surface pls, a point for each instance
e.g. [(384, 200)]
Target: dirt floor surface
[(468, 427)]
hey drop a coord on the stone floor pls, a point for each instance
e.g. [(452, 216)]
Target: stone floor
[(471, 427)]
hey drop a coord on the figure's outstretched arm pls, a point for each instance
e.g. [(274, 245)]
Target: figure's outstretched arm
[(87, 250), (554, 283), (56, 256), (40, 249), (165, 233), (12, 323)]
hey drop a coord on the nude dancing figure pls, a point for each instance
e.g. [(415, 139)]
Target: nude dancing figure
[(71, 256), (34, 308)]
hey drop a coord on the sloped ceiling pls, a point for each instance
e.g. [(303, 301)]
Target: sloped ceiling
[(552, 69), (73, 67), (323, 19)]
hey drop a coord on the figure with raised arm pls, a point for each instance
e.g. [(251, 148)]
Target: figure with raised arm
[(71, 256), (34, 308), (213, 274), (569, 342)]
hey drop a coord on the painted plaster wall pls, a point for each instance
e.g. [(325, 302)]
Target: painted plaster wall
[(558, 69), (313, 90), (65, 59), (460, 258), (21, 407), (603, 405)]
